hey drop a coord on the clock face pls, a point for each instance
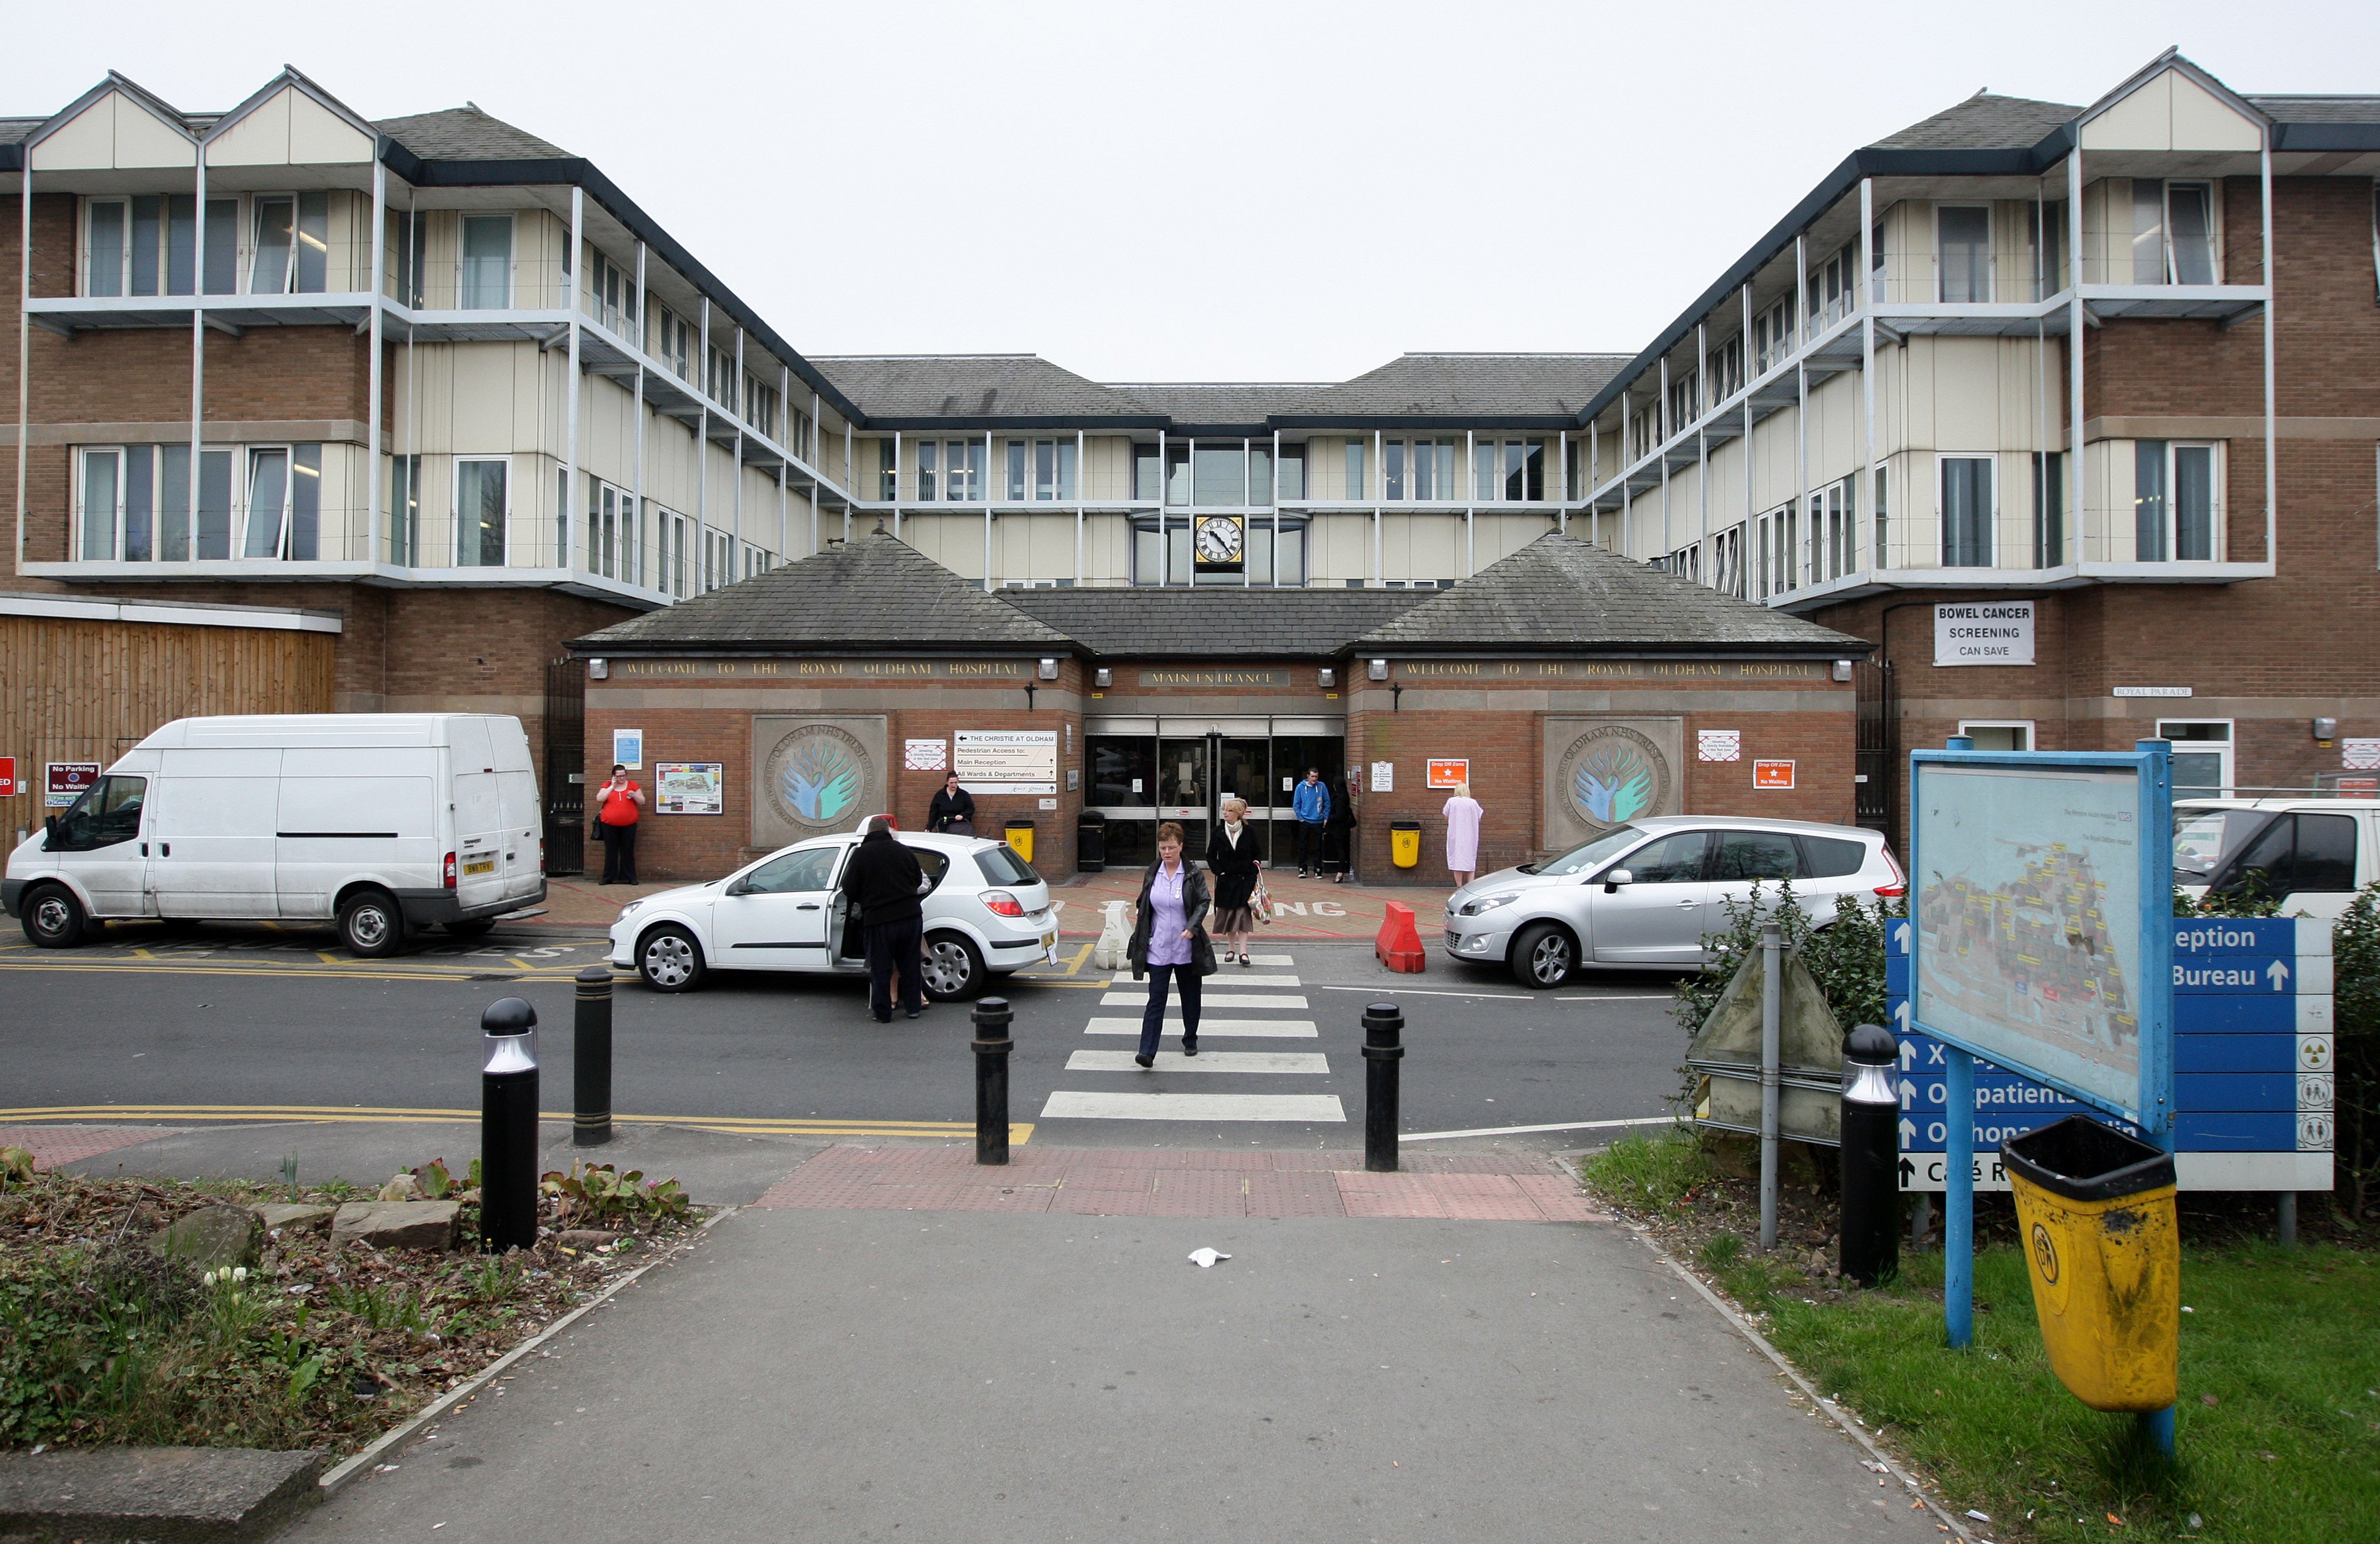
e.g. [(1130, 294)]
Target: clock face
[(1219, 539)]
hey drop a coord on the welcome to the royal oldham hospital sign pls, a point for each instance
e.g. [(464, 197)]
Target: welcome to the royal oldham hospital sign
[(1982, 632)]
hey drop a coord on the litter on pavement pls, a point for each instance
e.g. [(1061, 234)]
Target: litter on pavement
[(1207, 1258)]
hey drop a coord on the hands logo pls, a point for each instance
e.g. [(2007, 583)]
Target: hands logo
[(1613, 783), (819, 781), (1612, 775)]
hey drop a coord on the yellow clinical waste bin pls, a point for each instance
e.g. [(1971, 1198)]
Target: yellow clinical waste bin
[(1404, 842), (1020, 836), (2095, 1212)]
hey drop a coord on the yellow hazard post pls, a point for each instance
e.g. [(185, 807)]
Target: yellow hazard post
[(2095, 1212)]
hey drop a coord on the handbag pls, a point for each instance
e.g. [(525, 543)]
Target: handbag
[(1260, 901), (958, 829)]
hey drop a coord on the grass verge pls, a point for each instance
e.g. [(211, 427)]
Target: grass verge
[(2278, 1436)]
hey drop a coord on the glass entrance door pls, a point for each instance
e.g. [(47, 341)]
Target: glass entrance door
[(1145, 771), (1185, 786)]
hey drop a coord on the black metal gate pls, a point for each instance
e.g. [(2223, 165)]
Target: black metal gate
[(565, 767), (1877, 757)]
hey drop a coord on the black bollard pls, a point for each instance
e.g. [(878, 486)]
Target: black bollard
[(991, 1047), (1870, 1156), (1384, 1028), (590, 1059), (509, 1126)]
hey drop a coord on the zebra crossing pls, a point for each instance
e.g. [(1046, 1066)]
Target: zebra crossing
[(1255, 1003)]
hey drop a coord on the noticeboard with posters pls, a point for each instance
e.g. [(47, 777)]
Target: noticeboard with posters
[(689, 788), (1005, 761)]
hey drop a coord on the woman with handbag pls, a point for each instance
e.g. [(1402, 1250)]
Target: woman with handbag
[(1168, 943), (1231, 859), (953, 810)]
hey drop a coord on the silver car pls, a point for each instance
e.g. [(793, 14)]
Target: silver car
[(1645, 893)]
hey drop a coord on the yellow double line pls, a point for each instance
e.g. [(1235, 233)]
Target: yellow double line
[(1019, 1132), (332, 969)]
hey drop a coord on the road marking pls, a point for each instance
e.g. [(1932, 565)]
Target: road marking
[(1424, 991), (1222, 979), (1251, 1028), (1619, 997), (1209, 1061), (1065, 1105), (313, 973), (1216, 999), (1517, 1131), (398, 1115), (327, 958), (1270, 959), (1081, 956)]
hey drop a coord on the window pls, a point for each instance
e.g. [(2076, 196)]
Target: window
[(1775, 544), (760, 405), (1772, 335), (717, 560), (960, 466), (408, 258), (670, 565), (1508, 471), (1757, 855), (1831, 857), (1164, 556), (1876, 262), (610, 293), (612, 539), (108, 813), (487, 273), (1834, 286), (1356, 481), (1676, 859), (1293, 472), (1964, 236), (1421, 470), (2294, 854), (2202, 755), (2044, 234), (1883, 476), (1726, 574), (1725, 362), (132, 503), (928, 462), (672, 342), (1146, 485), (1218, 470), (148, 245), (1684, 403), (720, 379), (102, 504), (1053, 469), (888, 470), (810, 868), (1998, 734), (1644, 433), (1833, 545), (1966, 512), (404, 511), (292, 248), (2173, 233), (2049, 508), (482, 500), (2173, 502), (284, 502), (803, 436)]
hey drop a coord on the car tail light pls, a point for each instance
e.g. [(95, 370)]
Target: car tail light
[(1900, 886), (450, 871), (1002, 904), (541, 855)]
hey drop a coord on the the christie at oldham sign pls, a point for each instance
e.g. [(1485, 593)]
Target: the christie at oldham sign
[(1982, 632)]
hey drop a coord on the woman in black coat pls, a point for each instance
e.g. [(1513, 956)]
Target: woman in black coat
[(953, 806), (1231, 859)]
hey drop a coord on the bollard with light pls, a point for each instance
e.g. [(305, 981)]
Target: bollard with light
[(508, 1126), (1870, 1157)]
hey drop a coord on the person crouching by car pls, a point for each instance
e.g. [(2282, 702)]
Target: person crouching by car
[(883, 879)]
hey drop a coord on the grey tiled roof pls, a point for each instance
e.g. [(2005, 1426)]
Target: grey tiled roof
[(1560, 591), (13, 129), (1222, 622), (1485, 385), (877, 592), (2319, 109), (1225, 402), (466, 133), (970, 386), (1983, 122)]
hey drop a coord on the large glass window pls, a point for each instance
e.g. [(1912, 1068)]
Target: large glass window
[(1053, 469), (132, 502), (149, 244), (292, 248), (2049, 508), (2173, 233), (108, 813), (1292, 473), (481, 502), (404, 511), (1964, 238), (1165, 557), (1967, 511), (1145, 479), (1359, 485), (2173, 502), (102, 488), (487, 277), (1218, 471), (2202, 755)]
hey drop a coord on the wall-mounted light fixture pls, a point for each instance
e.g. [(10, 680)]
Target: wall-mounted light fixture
[(2326, 730), (1377, 669), (1843, 670), (1103, 677), (599, 669), (1049, 670), (1326, 677)]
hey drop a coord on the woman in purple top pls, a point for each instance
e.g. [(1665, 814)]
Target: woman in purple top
[(1169, 942)]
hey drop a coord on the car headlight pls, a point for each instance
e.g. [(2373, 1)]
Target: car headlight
[(631, 906), (1477, 904)]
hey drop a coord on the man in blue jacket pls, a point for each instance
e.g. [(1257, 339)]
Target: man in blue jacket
[(1312, 804)]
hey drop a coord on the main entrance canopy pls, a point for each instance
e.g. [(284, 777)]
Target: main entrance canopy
[(1125, 708)]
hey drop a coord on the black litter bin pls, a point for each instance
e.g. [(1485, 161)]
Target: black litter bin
[(1091, 842)]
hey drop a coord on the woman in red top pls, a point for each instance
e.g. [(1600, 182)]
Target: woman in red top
[(620, 802)]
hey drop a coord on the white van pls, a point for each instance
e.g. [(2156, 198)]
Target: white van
[(386, 821), (2312, 852)]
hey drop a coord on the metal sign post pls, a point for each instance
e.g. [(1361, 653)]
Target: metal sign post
[(2041, 900)]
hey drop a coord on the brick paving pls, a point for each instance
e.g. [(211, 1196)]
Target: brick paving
[(1155, 1183), (54, 1146)]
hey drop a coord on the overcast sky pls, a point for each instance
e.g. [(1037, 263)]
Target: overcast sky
[(1223, 191)]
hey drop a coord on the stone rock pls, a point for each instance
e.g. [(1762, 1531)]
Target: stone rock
[(212, 1237), (586, 1238), (403, 1186), (276, 1216), (171, 1492), (396, 1224)]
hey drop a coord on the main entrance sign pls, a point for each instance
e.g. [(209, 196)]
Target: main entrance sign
[(814, 775)]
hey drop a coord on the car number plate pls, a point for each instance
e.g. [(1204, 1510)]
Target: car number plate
[(485, 865)]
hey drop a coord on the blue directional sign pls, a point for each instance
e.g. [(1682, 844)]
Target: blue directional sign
[(2252, 1064)]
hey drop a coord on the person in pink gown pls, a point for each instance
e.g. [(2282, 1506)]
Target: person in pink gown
[(1463, 813)]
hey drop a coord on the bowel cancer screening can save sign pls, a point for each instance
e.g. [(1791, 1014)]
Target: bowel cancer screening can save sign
[(1982, 632)]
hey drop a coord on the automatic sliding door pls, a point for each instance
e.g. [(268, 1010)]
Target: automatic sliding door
[(1124, 787), (1246, 773), (1185, 787)]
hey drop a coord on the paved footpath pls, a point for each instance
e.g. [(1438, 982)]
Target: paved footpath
[(833, 1365)]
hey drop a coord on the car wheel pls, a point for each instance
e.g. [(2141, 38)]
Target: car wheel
[(954, 970), (371, 925), (669, 960), (1544, 955), (53, 918)]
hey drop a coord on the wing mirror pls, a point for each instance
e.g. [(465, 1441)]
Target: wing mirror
[(1614, 878), (740, 887)]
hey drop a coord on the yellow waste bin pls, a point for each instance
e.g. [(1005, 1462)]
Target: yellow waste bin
[(1404, 842), (1020, 836), (2096, 1211)]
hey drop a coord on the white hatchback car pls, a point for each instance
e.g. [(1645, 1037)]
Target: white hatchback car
[(1645, 893), (987, 913)]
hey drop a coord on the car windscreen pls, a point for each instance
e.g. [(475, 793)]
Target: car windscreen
[(1001, 865), (2204, 840), (1588, 856)]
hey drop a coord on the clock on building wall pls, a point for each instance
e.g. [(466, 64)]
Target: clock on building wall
[(1219, 543)]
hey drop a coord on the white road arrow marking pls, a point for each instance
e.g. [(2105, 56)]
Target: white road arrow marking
[(2278, 973)]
